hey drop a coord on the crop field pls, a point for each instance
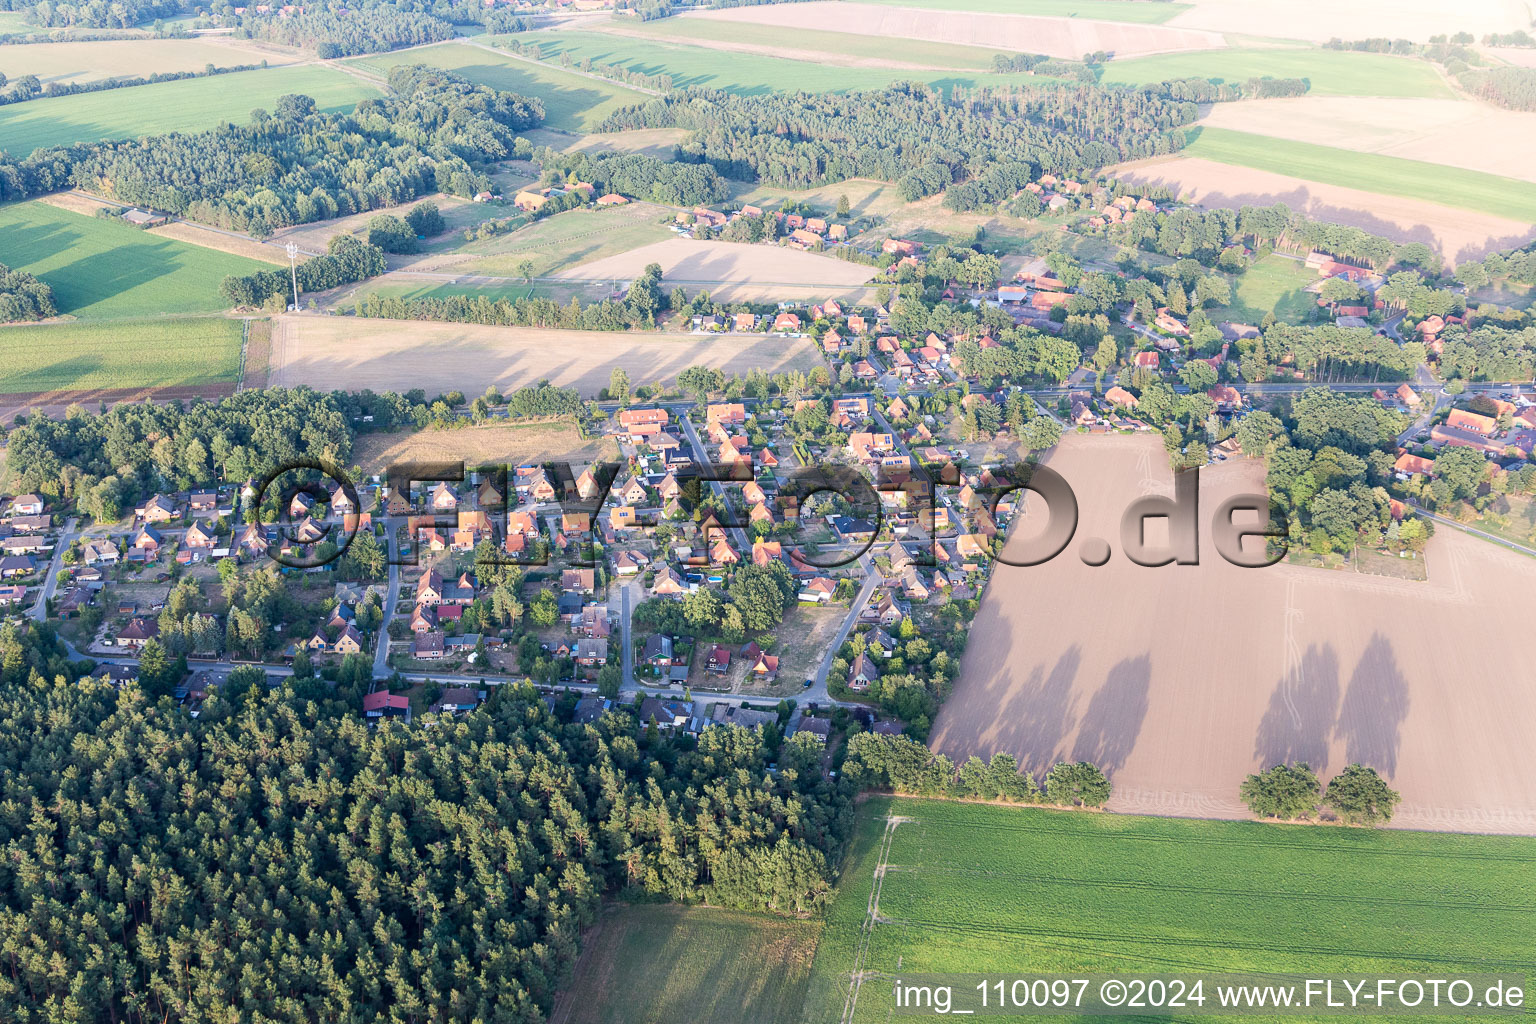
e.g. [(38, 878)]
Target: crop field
[(1457, 233), (845, 49), (1136, 11), (663, 964), (1330, 72), (95, 61), (1387, 175), (1456, 132), (970, 888), (101, 269), (571, 102), (1330, 668), (1068, 38), (743, 73), (1275, 285), (397, 355), (1320, 20), (121, 354), (193, 104), (492, 443)]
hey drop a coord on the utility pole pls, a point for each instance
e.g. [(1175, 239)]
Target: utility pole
[(293, 269)]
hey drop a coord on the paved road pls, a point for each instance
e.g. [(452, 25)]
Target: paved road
[(39, 609), (1511, 545), (737, 534), (872, 579), (626, 600), (391, 599)]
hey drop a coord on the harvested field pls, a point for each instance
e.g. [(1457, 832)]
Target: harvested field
[(1458, 133), (657, 142), (733, 269), (1181, 680), (845, 49), (1457, 234), (130, 58), (1141, 11), (491, 444), (394, 355), (1521, 56), (1058, 37), (1321, 20), (56, 403)]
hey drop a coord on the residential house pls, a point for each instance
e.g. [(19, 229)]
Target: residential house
[(862, 673), (667, 714), (383, 704), (138, 632), (158, 509)]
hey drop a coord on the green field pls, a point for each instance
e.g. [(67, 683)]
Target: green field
[(664, 964), (743, 73), (972, 888), (572, 102), (1145, 12), (1275, 284), (102, 269), (1387, 175), (122, 354), (189, 105), (837, 47), (1330, 72), (561, 242)]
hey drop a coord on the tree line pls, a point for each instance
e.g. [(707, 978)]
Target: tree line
[(347, 259), (638, 175), (912, 135), (904, 765), (30, 87), (1292, 792), (331, 33), (24, 297), (298, 164)]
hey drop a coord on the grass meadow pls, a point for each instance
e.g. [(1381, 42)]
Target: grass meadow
[(101, 269), (1275, 284), (1330, 72), (1369, 172), (193, 104), (125, 58), (561, 242), (120, 354), (571, 102), (663, 964), (1139, 12), (972, 888)]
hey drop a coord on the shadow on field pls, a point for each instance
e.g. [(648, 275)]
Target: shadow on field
[(1302, 713), (1375, 706), (1110, 726)]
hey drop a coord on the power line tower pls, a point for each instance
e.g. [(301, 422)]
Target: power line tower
[(293, 269)]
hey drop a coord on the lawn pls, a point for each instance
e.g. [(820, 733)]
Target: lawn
[(122, 354), (1330, 72), (571, 102), (838, 47), (1143, 12), (1275, 284), (193, 104), (974, 888), (743, 73), (1369, 172), (102, 269), (664, 964)]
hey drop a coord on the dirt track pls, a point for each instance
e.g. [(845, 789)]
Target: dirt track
[(1058, 37), (1458, 234), (1181, 680), (398, 355)]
